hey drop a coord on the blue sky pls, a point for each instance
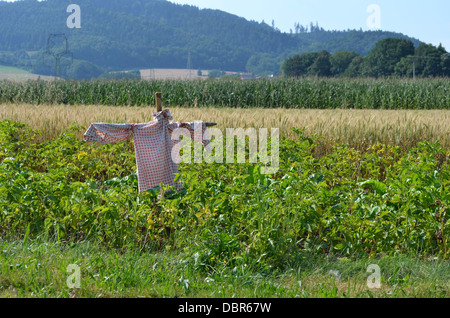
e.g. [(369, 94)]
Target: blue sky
[(428, 21)]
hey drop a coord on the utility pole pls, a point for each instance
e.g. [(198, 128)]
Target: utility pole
[(189, 65), (421, 57)]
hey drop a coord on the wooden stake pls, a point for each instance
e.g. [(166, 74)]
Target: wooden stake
[(158, 102)]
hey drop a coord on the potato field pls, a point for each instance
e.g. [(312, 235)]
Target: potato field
[(364, 173)]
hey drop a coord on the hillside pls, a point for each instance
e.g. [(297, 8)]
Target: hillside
[(134, 34)]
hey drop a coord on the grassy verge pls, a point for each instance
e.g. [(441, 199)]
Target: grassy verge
[(40, 269)]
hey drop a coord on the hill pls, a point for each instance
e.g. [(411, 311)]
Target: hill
[(136, 34), (15, 74)]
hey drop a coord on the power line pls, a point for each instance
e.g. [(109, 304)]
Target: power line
[(57, 47)]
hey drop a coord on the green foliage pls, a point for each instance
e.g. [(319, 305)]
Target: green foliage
[(359, 41), (298, 65), (82, 70), (382, 201), (263, 64), (321, 65), (429, 60), (387, 53), (340, 61), (389, 57), (355, 67)]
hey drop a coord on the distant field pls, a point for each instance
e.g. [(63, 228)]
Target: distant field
[(12, 70), (17, 74), (172, 74)]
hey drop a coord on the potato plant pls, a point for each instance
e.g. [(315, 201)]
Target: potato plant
[(381, 201)]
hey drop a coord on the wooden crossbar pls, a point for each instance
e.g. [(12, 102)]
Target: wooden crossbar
[(158, 102)]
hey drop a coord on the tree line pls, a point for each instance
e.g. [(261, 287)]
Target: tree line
[(389, 57)]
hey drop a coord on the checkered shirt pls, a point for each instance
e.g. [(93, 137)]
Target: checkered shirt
[(153, 146)]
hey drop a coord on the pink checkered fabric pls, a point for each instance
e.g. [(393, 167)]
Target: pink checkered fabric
[(153, 146)]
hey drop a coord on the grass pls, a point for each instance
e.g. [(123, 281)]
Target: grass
[(358, 128), (12, 70), (15, 75), (39, 269)]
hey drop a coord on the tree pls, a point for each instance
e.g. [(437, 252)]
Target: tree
[(321, 65), (354, 69), (404, 67), (428, 60), (445, 63), (340, 61), (298, 65), (263, 64), (83, 70), (216, 73), (387, 53)]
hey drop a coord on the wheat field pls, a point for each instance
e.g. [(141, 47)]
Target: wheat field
[(357, 128)]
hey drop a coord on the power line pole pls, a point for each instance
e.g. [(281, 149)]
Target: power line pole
[(57, 47), (189, 65)]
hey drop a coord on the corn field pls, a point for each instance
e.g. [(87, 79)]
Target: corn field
[(308, 93)]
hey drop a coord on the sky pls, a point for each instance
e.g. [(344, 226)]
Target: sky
[(427, 21)]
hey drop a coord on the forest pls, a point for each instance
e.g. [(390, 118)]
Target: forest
[(390, 57), (117, 35)]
